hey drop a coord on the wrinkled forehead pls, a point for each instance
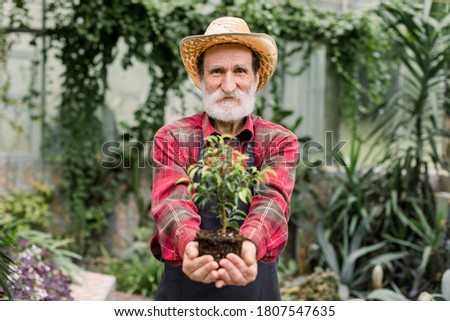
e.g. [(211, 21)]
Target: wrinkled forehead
[(226, 52)]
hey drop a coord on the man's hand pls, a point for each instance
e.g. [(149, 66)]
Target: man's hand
[(239, 271), (199, 268)]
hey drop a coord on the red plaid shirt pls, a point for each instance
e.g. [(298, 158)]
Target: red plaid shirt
[(176, 147)]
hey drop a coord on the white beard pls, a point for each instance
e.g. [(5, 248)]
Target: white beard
[(229, 110)]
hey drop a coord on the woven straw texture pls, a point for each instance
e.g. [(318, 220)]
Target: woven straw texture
[(230, 30)]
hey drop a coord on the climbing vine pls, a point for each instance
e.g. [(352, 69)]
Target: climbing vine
[(86, 35)]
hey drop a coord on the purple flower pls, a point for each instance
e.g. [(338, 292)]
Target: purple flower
[(35, 277)]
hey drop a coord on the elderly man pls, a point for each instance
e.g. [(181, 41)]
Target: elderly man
[(229, 64)]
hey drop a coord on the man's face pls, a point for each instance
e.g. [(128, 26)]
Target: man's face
[(228, 83)]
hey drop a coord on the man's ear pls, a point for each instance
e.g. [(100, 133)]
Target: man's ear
[(257, 79)]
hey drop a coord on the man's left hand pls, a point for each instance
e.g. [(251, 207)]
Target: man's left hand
[(235, 270)]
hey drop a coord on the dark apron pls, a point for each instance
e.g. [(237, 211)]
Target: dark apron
[(176, 286)]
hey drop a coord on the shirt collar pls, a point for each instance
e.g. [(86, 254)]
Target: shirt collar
[(245, 133)]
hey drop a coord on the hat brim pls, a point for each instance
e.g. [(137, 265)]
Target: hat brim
[(262, 44)]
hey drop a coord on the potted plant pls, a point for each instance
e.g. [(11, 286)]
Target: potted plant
[(222, 179)]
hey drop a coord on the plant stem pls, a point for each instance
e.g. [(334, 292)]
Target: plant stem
[(224, 221)]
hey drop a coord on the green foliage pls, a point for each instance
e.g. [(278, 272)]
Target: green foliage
[(26, 210), (143, 271), (6, 261), (366, 208), (413, 115), (356, 48), (23, 217), (351, 260), (393, 200), (135, 270), (34, 265), (286, 268), (386, 295), (86, 36), (58, 249), (319, 286), (396, 295), (36, 275), (223, 179), (343, 233)]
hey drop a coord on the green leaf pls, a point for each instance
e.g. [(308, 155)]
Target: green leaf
[(383, 259), (426, 254), (386, 295), (182, 180), (327, 249), (350, 261)]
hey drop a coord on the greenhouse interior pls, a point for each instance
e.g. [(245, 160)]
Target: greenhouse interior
[(363, 86)]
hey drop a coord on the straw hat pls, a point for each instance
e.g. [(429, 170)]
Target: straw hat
[(230, 30)]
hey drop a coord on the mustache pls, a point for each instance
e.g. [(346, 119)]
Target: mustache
[(219, 94)]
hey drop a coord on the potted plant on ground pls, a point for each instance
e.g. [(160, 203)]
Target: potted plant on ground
[(221, 179)]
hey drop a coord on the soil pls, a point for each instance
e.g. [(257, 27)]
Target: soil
[(218, 245)]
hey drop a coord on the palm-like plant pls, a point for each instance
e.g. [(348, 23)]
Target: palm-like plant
[(5, 263), (397, 204), (346, 236), (411, 133), (353, 260), (413, 124)]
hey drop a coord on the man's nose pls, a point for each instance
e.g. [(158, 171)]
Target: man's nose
[(228, 83)]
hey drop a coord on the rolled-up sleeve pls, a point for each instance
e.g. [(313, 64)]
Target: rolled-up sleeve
[(176, 217)]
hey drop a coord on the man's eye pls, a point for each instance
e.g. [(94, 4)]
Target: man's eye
[(241, 71)]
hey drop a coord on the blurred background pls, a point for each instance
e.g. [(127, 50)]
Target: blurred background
[(364, 84)]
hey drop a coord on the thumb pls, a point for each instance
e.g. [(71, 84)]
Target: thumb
[(249, 260), (191, 250), (249, 252)]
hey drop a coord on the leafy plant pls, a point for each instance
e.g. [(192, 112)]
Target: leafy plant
[(144, 271), (348, 233), (412, 115), (27, 210), (396, 295), (410, 133), (36, 275), (6, 263), (224, 180), (36, 278), (393, 200), (57, 250), (319, 286), (353, 260)]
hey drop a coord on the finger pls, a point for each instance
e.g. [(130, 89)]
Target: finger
[(230, 272), (238, 263), (191, 250), (200, 265), (202, 269), (249, 252), (249, 259), (205, 273), (220, 284), (247, 271), (224, 276)]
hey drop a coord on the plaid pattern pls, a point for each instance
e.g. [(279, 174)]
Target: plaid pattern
[(176, 147)]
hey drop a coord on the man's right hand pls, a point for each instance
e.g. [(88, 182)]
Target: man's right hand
[(199, 268)]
